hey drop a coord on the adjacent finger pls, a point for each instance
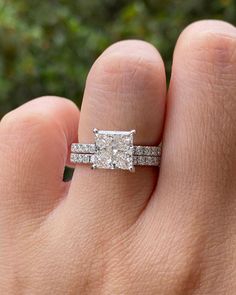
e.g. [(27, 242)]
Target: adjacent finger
[(34, 142)]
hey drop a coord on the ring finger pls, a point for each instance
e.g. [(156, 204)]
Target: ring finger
[(125, 90)]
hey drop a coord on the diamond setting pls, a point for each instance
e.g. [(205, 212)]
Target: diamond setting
[(114, 150)]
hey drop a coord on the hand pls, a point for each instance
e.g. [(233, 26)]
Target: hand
[(116, 232)]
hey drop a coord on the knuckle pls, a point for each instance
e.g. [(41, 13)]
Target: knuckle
[(210, 46), (124, 69), (218, 49), (20, 126)]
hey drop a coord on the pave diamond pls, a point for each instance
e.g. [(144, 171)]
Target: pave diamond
[(147, 161), (114, 149), (83, 148), (81, 158)]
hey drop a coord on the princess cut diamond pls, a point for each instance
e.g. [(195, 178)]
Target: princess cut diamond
[(114, 149)]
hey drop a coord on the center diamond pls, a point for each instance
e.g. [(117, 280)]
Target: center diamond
[(114, 149)]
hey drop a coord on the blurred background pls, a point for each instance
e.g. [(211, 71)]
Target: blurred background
[(47, 47)]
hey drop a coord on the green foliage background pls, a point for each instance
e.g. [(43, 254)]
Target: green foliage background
[(47, 47)]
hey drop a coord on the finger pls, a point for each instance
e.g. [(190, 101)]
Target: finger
[(200, 126), (196, 188), (34, 142), (125, 90)]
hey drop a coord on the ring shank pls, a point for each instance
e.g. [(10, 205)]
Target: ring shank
[(137, 160), (138, 150)]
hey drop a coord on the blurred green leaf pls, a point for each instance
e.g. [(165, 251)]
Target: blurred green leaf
[(47, 47)]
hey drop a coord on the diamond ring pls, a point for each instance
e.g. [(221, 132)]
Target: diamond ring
[(115, 150)]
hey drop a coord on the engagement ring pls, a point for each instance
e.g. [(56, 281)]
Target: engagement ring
[(115, 150)]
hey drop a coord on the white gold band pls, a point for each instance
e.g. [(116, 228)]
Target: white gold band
[(138, 150), (137, 160)]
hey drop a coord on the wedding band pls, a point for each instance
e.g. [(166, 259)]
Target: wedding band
[(115, 150)]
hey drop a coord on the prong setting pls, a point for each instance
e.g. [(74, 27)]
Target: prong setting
[(115, 150), (93, 167), (132, 169)]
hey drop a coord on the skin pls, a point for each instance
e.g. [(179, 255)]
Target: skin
[(115, 232)]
